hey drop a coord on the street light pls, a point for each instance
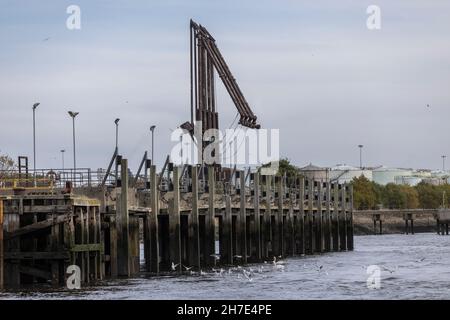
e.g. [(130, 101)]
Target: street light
[(73, 115), (443, 162), (152, 129), (117, 132), (360, 146), (62, 157), (34, 140)]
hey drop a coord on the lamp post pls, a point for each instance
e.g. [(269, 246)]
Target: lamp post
[(152, 129), (34, 140), (360, 146), (73, 114), (117, 132), (443, 162), (62, 157)]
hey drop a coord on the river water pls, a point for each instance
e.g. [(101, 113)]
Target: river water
[(411, 267)]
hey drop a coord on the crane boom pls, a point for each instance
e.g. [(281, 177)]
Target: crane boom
[(205, 60)]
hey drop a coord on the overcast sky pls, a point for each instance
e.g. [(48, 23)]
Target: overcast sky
[(312, 69)]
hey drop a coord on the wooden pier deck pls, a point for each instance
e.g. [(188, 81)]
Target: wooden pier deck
[(201, 223)]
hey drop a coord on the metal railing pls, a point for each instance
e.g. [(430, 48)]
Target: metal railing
[(54, 178)]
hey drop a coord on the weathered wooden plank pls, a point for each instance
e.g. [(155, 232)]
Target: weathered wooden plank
[(35, 272), (87, 247), (343, 219), (36, 226), (39, 255), (335, 218)]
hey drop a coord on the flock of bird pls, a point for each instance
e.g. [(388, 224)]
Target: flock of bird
[(277, 264)]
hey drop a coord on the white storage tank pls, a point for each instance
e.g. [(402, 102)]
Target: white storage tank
[(384, 175), (408, 180)]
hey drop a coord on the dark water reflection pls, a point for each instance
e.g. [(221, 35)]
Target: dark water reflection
[(412, 267)]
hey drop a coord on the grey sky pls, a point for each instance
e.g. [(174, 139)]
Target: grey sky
[(312, 69)]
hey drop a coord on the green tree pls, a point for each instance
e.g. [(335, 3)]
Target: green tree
[(364, 193)]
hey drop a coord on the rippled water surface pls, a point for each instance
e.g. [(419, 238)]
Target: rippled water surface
[(412, 267)]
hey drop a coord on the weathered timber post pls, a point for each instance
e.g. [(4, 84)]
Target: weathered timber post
[(277, 246), (335, 218), (328, 229), (227, 251), (175, 222), (311, 248), (153, 221), (122, 222), (242, 218), (320, 238), (194, 235), (343, 219), (350, 243), (257, 217), (267, 233), (291, 227), (1, 244), (210, 230)]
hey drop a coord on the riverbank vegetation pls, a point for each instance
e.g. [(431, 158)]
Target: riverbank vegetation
[(370, 195)]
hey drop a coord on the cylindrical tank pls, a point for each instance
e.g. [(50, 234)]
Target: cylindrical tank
[(384, 175), (344, 173)]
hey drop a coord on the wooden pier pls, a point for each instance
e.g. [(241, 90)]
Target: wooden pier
[(206, 217)]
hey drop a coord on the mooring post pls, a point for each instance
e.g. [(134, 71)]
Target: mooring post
[(350, 222), (257, 217), (123, 251), (175, 222), (310, 218), (153, 221), (336, 233), (194, 235), (277, 248), (320, 238), (1, 244), (301, 216), (291, 224), (267, 217), (242, 224), (210, 230), (227, 250), (343, 220), (328, 229)]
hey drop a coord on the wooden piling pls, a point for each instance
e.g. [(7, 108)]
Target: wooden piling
[(242, 220), (210, 230), (227, 246), (319, 223), (350, 233), (175, 223), (309, 225), (328, 228), (266, 218), (1, 245), (343, 218), (277, 246), (194, 235), (122, 222), (301, 216), (153, 221), (335, 217), (257, 218)]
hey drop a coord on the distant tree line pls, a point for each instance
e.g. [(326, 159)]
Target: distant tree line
[(370, 195)]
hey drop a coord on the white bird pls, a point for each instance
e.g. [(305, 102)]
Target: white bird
[(174, 266), (187, 268), (388, 269), (202, 273)]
